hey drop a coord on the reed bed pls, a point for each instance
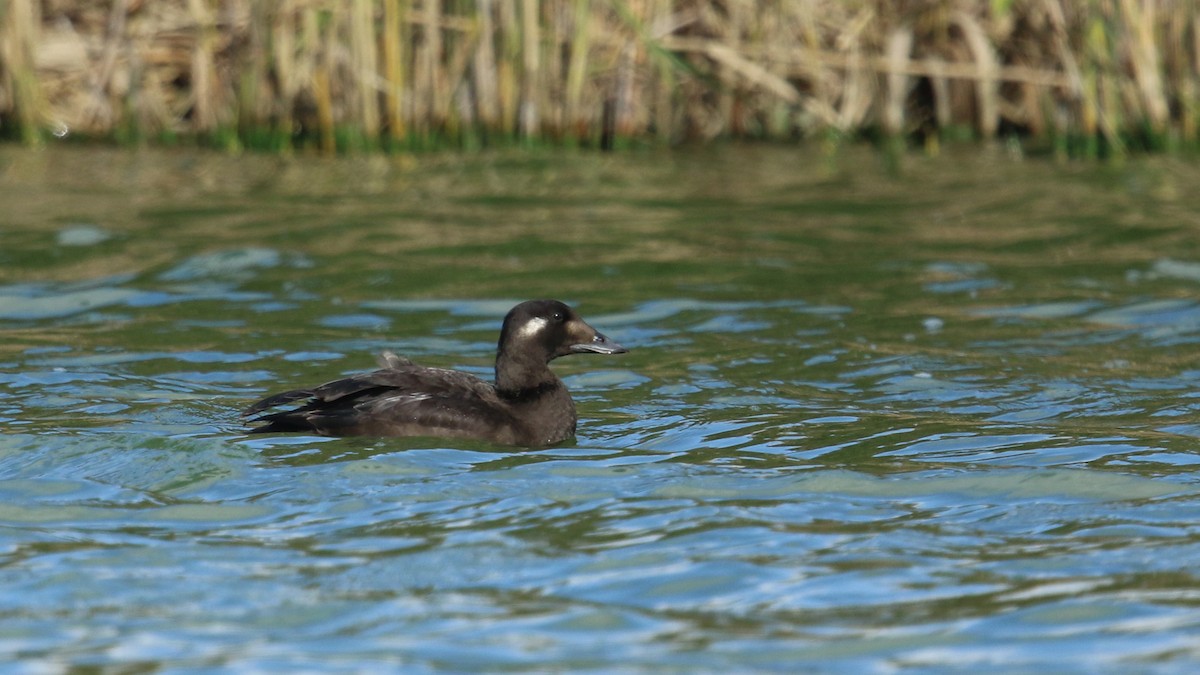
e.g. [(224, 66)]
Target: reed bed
[(1082, 76)]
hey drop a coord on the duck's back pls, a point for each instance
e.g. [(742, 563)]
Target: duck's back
[(411, 400)]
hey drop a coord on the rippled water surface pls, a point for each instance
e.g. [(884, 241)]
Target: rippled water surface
[(944, 419)]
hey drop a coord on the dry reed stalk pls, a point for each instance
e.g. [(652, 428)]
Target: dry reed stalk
[(628, 109), (285, 67), (553, 67), (393, 68), (856, 96), (437, 85), (21, 29), (1108, 90), (252, 99), (531, 63), (507, 90), (485, 77), (323, 98), (104, 96), (460, 48), (939, 83), (986, 78), (580, 45), (730, 43), (363, 62), (899, 49), (1188, 72), (1142, 20), (422, 69), (776, 34), (205, 95), (1061, 48), (664, 23), (322, 93)]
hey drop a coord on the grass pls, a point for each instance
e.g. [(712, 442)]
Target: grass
[(1090, 78)]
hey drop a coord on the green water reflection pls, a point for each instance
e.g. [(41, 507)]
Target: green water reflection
[(940, 419)]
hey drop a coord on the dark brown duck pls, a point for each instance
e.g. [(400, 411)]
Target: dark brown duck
[(527, 404)]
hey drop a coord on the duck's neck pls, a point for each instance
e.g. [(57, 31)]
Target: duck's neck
[(520, 378), (536, 391)]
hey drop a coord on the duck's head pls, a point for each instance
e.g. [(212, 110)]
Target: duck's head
[(550, 329)]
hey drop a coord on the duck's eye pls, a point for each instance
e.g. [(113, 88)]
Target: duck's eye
[(558, 317)]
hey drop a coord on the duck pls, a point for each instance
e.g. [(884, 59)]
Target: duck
[(526, 405)]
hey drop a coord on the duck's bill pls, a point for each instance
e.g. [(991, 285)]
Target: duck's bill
[(599, 345)]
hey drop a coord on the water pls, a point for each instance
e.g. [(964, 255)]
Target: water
[(939, 420)]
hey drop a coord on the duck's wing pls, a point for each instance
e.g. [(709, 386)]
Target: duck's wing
[(404, 401), (396, 372)]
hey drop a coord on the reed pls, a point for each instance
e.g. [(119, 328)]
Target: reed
[(20, 96), (1082, 77)]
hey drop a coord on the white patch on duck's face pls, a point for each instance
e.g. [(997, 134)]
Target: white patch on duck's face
[(532, 327)]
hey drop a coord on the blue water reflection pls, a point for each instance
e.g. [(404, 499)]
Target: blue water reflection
[(866, 424)]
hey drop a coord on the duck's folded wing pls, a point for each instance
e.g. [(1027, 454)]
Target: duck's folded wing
[(394, 401), (395, 371), (389, 378)]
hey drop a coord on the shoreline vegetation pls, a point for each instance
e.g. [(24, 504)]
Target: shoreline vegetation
[(1079, 78)]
